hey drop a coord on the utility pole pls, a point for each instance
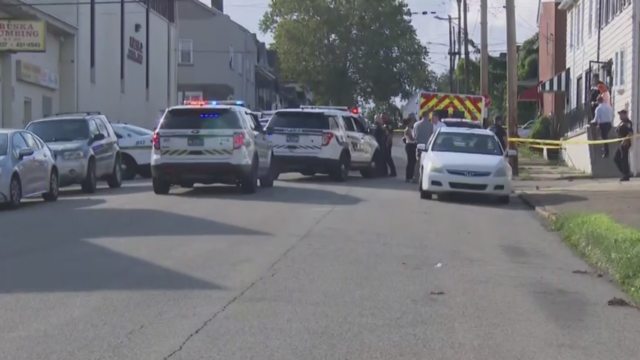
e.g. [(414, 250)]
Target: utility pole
[(512, 81), (451, 52), (466, 48), (484, 49), (459, 39)]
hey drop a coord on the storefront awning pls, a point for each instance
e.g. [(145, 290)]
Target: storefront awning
[(530, 94), (559, 83)]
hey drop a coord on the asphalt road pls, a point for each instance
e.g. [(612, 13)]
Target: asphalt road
[(307, 270)]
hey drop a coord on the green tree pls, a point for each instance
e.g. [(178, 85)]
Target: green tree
[(348, 51)]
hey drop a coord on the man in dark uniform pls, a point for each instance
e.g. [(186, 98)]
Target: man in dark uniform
[(380, 134), (594, 92), (621, 158), (499, 131)]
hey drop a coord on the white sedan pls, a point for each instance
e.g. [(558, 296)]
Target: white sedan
[(460, 160), (135, 146)]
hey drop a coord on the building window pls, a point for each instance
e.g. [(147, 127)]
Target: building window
[(590, 22), (621, 68), (240, 62), (598, 18), (186, 51), (571, 31), (578, 22), (231, 58)]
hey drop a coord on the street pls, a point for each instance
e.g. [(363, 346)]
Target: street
[(310, 269)]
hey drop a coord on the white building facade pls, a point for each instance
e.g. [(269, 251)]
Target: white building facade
[(36, 64), (123, 62), (601, 39)]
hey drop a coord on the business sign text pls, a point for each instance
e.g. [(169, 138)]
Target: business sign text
[(135, 50), (22, 35)]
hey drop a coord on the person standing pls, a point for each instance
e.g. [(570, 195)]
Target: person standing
[(380, 134), (499, 131), (389, 156), (437, 124), (422, 131), (604, 115), (410, 148), (593, 96), (604, 92), (621, 157)]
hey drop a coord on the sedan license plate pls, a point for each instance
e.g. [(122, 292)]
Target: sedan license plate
[(293, 138), (195, 142)]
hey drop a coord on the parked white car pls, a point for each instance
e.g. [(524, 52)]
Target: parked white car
[(462, 160), (524, 131), (135, 147)]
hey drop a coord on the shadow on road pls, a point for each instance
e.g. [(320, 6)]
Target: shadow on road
[(482, 201), (127, 188), (553, 199), (280, 194), (43, 248), (354, 180)]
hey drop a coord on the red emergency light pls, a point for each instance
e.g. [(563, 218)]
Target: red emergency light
[(355, 111)]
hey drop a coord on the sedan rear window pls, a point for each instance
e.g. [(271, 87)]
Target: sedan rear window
[(4, 144), (300, 120), (60, 130), (200, 119), (466, 143)]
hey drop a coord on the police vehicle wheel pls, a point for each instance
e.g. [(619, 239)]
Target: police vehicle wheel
[(115, 179), (54, 187), (160, 187), (129, 167), (267, 180), (341, 173), (249, 185), (424, 194), (89, 183)]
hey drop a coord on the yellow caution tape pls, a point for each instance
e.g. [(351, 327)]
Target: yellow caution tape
[(571, 142)]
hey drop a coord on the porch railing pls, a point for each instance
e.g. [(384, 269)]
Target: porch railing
[(575, 119)]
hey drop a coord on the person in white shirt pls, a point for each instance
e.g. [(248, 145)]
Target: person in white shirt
[(437, 124)]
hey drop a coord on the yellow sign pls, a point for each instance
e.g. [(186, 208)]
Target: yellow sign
[(22, 35), (34, 74)]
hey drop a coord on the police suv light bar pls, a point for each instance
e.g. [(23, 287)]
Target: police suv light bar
[(213, 102)]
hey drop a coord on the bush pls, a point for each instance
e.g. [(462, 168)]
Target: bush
[(542, 129)]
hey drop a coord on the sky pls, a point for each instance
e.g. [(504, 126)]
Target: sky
[(432, 32)]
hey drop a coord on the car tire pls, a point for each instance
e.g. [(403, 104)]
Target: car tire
[(341, 173), (427, 195), (374, 167), (54, 187), (160, 187), (90, 182), (129, 167), (115, 179), (504, 200), (15, 192), (267, 180), (249, 184)]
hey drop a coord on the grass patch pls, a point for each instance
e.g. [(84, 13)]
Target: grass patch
[(603, 242), (528, 152)]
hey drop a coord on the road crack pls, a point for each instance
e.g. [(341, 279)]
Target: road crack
[(267, 273)]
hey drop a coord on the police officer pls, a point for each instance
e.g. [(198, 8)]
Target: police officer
[(621, 157)]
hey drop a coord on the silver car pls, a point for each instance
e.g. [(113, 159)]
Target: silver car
[(27, 168), (85, 146)]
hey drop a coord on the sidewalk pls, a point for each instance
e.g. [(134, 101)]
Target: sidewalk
[(556, 189)]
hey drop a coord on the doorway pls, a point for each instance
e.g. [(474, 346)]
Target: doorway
[(26, 112)]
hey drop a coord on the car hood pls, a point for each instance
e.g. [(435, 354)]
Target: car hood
[(66, 145), (470, 162)]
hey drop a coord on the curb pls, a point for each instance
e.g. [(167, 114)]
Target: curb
[(544, 212)]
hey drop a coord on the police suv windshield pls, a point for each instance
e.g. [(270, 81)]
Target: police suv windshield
[(61, 130), (300, 120), (468, 143), (201, 119)]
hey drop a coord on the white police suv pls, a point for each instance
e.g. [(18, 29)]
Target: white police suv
[(203, 142), (135, 144), (314, 140)]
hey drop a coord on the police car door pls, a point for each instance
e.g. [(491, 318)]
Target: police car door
[(261, 142), (369, 143), (356, 142)]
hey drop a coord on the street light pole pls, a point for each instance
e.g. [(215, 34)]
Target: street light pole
[(466, 48)]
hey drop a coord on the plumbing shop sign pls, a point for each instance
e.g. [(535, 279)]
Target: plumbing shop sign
[(135, 50), (22, 35)]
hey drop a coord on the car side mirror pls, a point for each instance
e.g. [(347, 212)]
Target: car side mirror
[(97, 137), (269, 130), (422, 147), (23, 153), (512, 153)]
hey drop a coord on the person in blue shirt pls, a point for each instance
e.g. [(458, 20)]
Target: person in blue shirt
[(603, 118)]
